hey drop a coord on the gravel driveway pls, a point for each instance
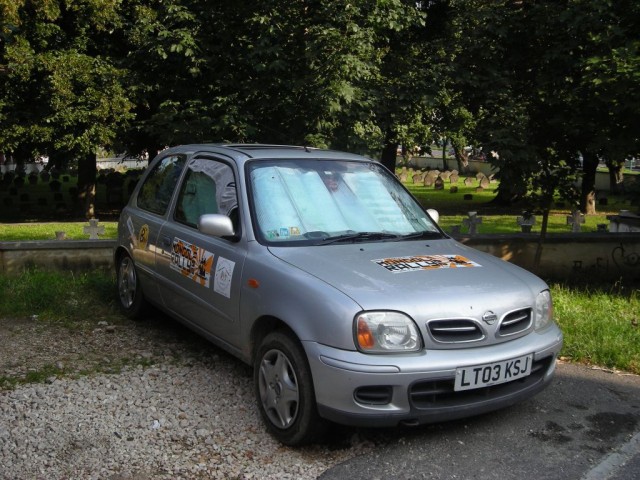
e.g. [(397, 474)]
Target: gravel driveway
[(124, 400)]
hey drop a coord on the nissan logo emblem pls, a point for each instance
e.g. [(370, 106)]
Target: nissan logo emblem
[(489, 317)]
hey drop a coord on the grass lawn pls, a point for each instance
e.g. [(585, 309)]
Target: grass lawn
[(15, 232), (601, 327)]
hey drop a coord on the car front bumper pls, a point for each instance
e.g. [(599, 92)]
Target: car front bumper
[(358, 389)]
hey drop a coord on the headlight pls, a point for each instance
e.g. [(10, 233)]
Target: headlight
[(386, 332), (544, 310)]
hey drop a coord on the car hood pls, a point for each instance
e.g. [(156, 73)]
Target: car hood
[(445, 275)]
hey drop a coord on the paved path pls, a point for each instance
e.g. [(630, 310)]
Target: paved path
[(585, 426)]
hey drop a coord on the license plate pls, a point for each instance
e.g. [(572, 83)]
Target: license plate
[(479, 376)]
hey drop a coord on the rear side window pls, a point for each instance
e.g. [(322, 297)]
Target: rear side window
[(157, 189)]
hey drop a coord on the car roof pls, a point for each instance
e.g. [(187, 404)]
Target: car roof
[(246, 151)]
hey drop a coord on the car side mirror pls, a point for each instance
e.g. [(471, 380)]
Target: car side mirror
[(216, 225), (435, 216)]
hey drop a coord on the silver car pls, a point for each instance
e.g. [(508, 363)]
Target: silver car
[(321, 271)]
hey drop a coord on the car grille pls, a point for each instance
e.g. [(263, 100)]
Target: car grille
[(440, 393), (515, 322), (455, 331)]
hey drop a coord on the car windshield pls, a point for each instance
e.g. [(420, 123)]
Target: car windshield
[(331, 201)]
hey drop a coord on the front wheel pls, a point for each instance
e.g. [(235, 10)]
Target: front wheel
[(284, 390), (132, 301)]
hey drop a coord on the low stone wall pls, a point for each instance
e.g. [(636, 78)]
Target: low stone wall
[(75, 255), (602, 256)]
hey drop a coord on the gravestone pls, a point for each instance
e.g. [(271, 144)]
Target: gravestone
[(453, 178), (472, 222), (468, 181), (438, 184), (93, 229), (445, 175), (576, 219), (484, 182), (417, 178), (468, 197), (428, 181), (403, 177), (526, 222), (479, 176), (453, 189)]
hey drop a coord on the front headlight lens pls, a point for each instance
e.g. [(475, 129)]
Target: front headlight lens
[(386, 332), (544, 310)]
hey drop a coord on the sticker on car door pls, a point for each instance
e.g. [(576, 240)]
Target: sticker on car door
[(223, 276), (192, 261)]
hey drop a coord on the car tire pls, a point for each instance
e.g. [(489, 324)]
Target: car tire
[(284, 390), (131, 299)]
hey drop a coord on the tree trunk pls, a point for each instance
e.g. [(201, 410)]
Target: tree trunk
[(58, 160), (445, 167), (588, 193), (541, 239), (388, 156), (87, 185)]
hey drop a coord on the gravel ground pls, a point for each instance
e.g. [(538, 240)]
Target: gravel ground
[(122, 400)]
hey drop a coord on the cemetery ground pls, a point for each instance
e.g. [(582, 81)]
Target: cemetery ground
[(120, 399), (87, 393)]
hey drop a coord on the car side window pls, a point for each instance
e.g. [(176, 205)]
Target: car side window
[(157, 189), (208, 187)]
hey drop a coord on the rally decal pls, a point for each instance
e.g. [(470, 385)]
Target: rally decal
[(223, 276), (424, 262), (143, 237), (191, 261)]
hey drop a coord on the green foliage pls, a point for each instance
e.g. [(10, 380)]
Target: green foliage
[(534, 83), (60, 90), (600, 325)]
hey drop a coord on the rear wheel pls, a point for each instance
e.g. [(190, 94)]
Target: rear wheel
[(132, 301), (284, 390)]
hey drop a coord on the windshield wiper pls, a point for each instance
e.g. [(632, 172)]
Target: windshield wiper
[(356, 237), (419, 235)]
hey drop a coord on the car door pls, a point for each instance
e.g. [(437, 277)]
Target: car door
[(146, 215), (200, 273)]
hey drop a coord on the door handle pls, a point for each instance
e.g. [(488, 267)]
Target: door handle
[(166, 242)]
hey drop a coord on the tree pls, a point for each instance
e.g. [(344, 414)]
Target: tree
[(61, 94), (550, 76)]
